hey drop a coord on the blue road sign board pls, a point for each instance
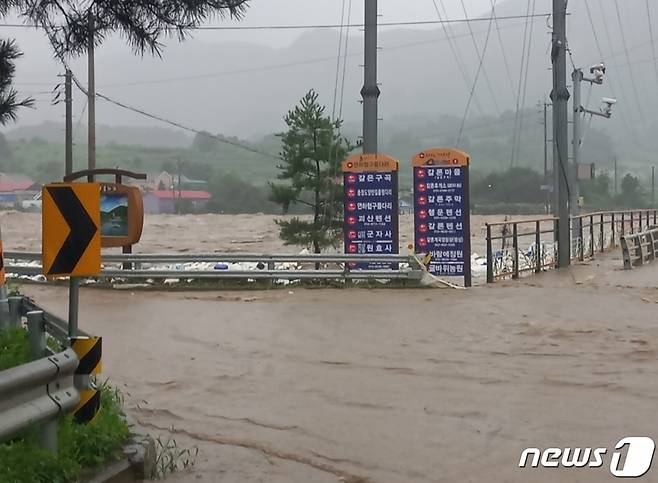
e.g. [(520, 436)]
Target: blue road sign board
[(371, 209), (442, 219)]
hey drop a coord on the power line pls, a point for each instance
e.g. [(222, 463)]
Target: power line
[(515, 133), (475, 81), (480, 57), (598, 46), (525, 84), (630, 70), (324, 26), (174, 123), (653, 45), (502, 48), (455, 51), (316, 60), (347, 43), (340, 50)]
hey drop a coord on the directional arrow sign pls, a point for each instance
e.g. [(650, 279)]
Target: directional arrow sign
[(71, 242)]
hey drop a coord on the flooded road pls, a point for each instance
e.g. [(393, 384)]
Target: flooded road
[(387, 386)]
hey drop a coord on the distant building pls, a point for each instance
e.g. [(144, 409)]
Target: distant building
[(164, 201), (16, 188), (164, 181)]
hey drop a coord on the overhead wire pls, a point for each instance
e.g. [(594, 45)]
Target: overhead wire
[(630, 70), (525, 85), (455, 52), (519, 87), (347, 43), (321, 26), (480, 69), (480, 57), (653, 45), (502, 49), (603, 58), (340, 50)]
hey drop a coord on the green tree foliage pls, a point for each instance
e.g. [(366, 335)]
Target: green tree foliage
[(9, 102), (515, 185), (143, 23), (313, 149), (631, 195), (231, 194), (596, 192), (204, 142)]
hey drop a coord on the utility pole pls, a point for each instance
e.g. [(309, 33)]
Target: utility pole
[(91, 98), (370, 91), (560, 97), (68, 94)]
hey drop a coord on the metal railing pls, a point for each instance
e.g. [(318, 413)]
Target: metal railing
[(591, 233), (37, 392), (640, 248), (269, 266)]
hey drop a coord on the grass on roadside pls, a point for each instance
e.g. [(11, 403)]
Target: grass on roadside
[(82, 448)]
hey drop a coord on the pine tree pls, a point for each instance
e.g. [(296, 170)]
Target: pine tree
[(313, 149)]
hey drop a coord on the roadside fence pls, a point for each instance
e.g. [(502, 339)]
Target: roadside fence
[(640, 248)]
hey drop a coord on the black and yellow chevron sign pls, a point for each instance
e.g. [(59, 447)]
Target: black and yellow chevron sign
[(71, 229), (90, 353), (87, 408)]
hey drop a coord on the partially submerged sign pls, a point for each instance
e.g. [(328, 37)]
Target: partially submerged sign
[(442, 211), (371, 207), (71, 239)]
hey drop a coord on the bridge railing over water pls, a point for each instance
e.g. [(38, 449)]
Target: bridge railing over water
[(531, 245)]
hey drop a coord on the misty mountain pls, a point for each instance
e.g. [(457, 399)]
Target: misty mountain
[(53, 132), (244, 89)]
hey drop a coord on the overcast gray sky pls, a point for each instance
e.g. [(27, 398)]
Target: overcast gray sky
[(285, 12)]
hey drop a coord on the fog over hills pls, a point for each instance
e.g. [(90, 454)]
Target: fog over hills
[(244, 88)]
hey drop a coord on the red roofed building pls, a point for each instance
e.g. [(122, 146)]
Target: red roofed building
[(164, 201)]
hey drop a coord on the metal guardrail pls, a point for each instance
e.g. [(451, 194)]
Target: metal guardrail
[(592, 233), (16, 264), (37, 392), (639, 248)]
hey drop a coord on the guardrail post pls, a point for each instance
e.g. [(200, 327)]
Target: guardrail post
[(602, 234), (556, 235), (623, 222), (632, 223), (36, 334), (490, 261), (515, 242), (581, 251), (613, 242), (626, 254), (655, 217), (15, 305), (538, 246), (652, 245), (591, 235)]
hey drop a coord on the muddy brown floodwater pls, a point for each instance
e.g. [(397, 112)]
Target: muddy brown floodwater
[(212, 233), (387, 386)]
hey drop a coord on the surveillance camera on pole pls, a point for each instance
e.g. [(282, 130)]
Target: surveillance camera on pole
[(598, 74), (607, 106)]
